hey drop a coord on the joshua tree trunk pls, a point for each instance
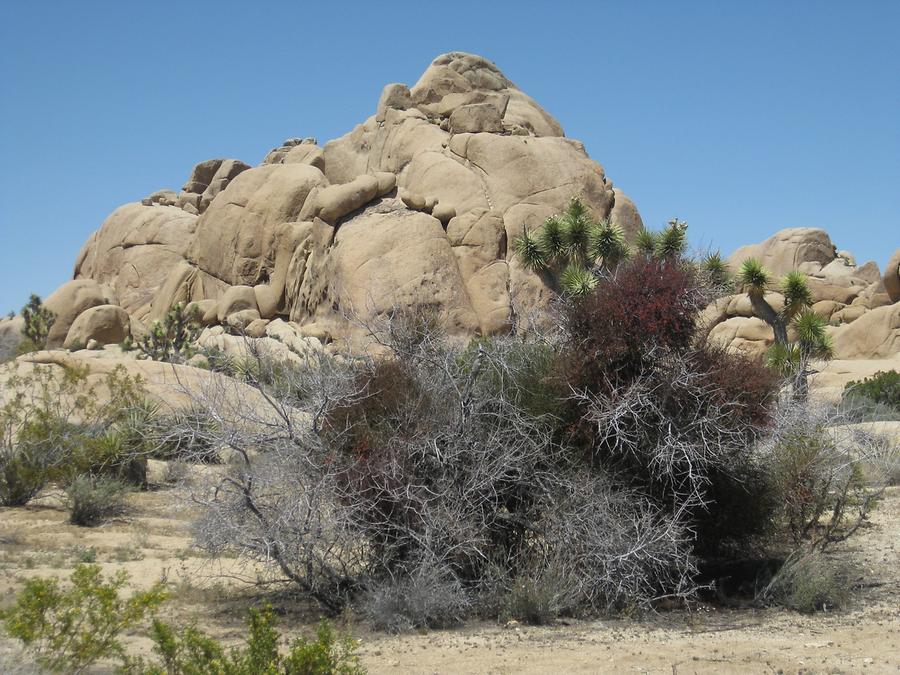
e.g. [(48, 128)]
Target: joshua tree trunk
[(767, 313)]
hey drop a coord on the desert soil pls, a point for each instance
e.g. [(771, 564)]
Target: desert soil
[(154, 542)]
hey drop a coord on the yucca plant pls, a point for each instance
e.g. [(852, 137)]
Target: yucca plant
[(672, 241), (645, 242), (797, 295), (553, 239), (716, 271), (607, 242), (577, 225), (791, 359), (530, 252), (577, 281)]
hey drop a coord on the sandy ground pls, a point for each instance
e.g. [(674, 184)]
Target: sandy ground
[(154, 542)]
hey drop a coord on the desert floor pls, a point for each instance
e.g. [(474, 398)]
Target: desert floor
[(154, 542)]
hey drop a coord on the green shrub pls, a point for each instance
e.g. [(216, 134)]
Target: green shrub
[(94, 500), (188, 651), (38, 321), (54, 427), (69, 629), (172, 339), (874, 398), (22, 477)]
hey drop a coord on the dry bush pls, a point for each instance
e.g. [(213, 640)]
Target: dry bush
[(377, 479), (828, 475)]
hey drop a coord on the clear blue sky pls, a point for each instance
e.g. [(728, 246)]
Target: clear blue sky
[(740, 117)]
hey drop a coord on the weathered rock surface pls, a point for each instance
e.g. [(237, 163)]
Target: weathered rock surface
[(105, 324), (415, 207)]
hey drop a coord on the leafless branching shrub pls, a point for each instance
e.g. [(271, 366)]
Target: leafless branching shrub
[(421, 480)]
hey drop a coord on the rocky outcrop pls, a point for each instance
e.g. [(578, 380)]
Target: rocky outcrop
[(415, 207)]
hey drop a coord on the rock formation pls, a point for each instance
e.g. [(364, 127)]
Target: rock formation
[(414, 207), (864, 316)]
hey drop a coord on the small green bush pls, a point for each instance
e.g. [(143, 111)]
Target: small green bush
[(54, 427), (94, 500), (69, 629), (172, 339), (874, 398), (22, 477), (188, 651), (38, 321)]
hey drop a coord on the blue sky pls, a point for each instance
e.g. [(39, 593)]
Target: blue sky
[(740, 117)]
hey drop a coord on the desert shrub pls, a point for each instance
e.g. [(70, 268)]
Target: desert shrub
[(819, 470), (38, 322), (53, 427), (187, 651), (173, 338), (874, 398), (644, 312), (357, 475), (652, 405), (808, 582), (94, 500), (68, 629), (429, 597)]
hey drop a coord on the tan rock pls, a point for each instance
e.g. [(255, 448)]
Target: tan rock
[(787, 250), (394, 96), (67, 302), (236, 233), (241, 319), (625, 214), (826, 308), (226, 172), (466, 78), (476, 118), (892, 277), (105, 324), (256, 329), (135, 250), (740, 304), (875, 334), (848, 314), (749, 335), (236, 299)]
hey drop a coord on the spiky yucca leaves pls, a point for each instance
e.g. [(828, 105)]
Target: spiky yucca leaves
[(672, 241), (797, 295), (577, 225), (716, 271), (812, 339), (753, 276), (645, 242), (530, 252), (577, 281), (607, 241), (553, 239), (783, 358)]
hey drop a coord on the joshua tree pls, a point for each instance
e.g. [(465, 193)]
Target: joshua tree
[(577, 248), (811, 342), (173, 338), (38, 321)]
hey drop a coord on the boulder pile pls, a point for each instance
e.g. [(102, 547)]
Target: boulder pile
[(416, 207)]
